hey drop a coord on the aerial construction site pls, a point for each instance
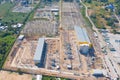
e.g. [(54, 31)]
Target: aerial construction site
[(57, 43)]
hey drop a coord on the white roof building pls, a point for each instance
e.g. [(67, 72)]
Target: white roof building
[(21, 37), (39, 50), (19, 25), (39, 77)]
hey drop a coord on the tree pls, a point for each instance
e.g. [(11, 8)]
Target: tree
[(117, 7), (88, 1), (110, 22), (103, 0), (93, 16)]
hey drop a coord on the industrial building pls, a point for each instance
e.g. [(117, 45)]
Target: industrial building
[(55, 10), (98, 72), (39, 51), (82, 36), (82, 39)]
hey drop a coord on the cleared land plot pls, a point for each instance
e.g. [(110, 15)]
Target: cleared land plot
[(24, 55), (14, 76), (70, 15), (40, 27), (53, 58), (70, 55), (70, 18)]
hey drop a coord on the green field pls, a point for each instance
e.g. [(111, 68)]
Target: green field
[(13, 17), (52, 78), (112, 1), (4, 8), (82, 10), (10, 17)]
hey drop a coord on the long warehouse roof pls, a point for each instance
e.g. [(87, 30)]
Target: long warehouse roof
[(81, 34), (39, 49)]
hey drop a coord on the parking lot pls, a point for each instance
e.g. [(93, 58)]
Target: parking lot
[(114, 39)]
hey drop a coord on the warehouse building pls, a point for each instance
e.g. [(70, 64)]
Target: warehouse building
[(39, 51), (82, 39), (82, 36), (98, 72)]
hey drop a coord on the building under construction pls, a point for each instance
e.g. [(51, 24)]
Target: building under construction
[(82, 39)]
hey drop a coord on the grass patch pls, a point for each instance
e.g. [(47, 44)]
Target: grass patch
[(52, 78), (14, 17), (4, 8), (111, 1), (10, 17), (84, 16)]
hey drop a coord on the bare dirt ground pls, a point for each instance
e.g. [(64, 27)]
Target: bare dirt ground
[(4, 75), (25, 53)]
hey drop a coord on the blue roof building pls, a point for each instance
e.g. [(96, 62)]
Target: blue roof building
[(110, 6)]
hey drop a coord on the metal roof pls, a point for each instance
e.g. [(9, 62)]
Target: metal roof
[(54, 9), (97, 71), (21, 37), (39, 77), (39, 49), (81, 34)]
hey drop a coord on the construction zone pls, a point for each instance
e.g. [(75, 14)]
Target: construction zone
[(55, 47)]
